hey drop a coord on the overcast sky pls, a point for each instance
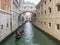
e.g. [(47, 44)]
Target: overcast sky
[(33, 1)]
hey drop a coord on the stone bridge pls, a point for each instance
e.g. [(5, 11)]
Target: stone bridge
[(27, 7)]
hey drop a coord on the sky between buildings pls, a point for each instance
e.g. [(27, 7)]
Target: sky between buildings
[(33, 1)]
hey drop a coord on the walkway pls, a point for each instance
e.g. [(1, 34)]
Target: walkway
[(31, 37)]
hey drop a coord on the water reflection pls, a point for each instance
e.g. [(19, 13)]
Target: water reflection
[(28, 33), (31, 37)]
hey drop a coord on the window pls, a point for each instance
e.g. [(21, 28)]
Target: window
[(45, 2), (7, 24), (50, 0), (45, 11), (7, 6), (41, 13), (1, 26), (49, 10), (41, 22), (58, 7), (44, 23), (41, 5), (58, 26), (49, 24)]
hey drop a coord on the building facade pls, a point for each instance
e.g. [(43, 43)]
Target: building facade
[(5, 5), (48, 17), (21, 2), (15, 14), (27, 7), (9, 12), (5, 15)]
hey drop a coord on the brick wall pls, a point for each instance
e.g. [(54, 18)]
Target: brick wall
[(6, 5)]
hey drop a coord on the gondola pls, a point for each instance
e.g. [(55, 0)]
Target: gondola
[(19, 34)]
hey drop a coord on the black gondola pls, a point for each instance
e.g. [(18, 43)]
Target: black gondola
[(19, 34)]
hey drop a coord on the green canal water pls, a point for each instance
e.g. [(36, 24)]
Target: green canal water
[(31, 37)]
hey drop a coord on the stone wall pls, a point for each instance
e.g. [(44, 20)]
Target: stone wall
[(4, 24), (48, 17)]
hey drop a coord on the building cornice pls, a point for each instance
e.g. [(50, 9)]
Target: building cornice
[(5, 11)]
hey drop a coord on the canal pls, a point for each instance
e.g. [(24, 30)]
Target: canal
[(31, 37)]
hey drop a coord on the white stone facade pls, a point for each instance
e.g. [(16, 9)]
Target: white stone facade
[(9, 20), (27, 7), (15, 14), (5, 28), (48, 17)]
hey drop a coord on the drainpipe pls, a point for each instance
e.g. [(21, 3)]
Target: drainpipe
[(11, 22)]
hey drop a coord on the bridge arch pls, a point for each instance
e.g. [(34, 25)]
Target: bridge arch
[(24, 12), (28, 11)]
